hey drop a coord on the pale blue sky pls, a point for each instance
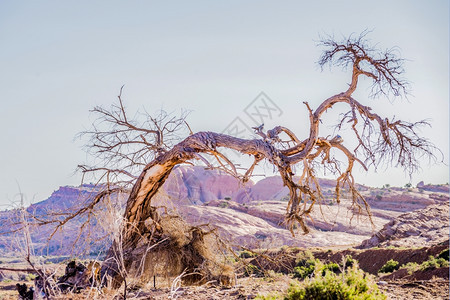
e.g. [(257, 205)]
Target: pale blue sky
[(58, 59)]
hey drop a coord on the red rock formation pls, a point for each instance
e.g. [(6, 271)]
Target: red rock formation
[(249, 215)]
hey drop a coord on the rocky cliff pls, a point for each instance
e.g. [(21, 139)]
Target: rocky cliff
[(249, 215), (414, 229)]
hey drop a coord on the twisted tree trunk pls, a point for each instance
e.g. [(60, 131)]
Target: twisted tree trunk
[(378, 139), (139, 207)]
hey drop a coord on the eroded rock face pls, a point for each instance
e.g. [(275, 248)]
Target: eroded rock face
[(271, 188), (195, 185), (259, 224), (441, 188), (414, 229), (404, 200), (64, 199), (250, 214)]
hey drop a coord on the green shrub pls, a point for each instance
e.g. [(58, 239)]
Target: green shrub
[(302, 257), (325, 281), (411, 267), (305, 268), (311, 265), (224, 204), (272, 296), (351, 285), (349, 261), (246, 254), (443, 254), (284, 248), (333, 267), (390, 266), (434, 263), (30, 277)]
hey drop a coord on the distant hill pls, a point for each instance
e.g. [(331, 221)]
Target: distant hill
[(249, 215)]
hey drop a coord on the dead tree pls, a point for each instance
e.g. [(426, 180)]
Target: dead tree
[(144, 154)]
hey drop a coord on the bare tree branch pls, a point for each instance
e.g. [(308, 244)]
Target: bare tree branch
[(384, 67)]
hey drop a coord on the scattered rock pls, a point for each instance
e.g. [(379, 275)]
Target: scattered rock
[(414, 229)]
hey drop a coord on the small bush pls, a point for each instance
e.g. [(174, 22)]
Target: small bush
[(273, 296), (30, 277), (302, 272), (284, 249), (434, 263), (390, 266), (302, 257), (246, 254), (332, 267), (349, 261), (305, 269), (411, 267), (352, 284), (443, 254), (224, 204)]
